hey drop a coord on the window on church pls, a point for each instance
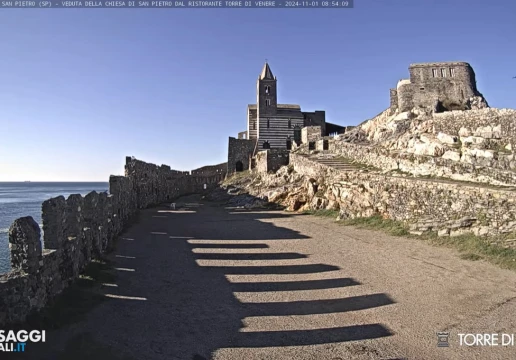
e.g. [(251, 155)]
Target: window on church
[(452, 72), (268, 123), (443, 72), (268, 102), (434, 72), (254, 125), (289, 124), (267, 89)]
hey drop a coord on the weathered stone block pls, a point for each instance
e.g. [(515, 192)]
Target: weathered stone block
[(25, 245)]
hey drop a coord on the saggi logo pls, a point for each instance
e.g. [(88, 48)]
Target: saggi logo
[(15, 341)]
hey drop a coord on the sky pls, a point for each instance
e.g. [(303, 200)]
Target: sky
[(80, 89)]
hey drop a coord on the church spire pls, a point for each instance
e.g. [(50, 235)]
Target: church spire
[(266, 73)]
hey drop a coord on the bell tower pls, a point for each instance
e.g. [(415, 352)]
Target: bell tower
[(266, 93)]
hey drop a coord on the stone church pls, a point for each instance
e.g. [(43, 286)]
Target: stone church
[(271, 125)]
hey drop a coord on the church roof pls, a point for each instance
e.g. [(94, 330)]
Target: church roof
[(266, 73)]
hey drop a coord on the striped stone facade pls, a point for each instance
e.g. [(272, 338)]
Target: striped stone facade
[(272, 124)]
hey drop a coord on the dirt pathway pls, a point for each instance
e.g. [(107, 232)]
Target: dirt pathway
[(204, 282)]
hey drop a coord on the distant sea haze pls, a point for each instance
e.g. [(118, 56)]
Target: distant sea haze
[(19, 199)]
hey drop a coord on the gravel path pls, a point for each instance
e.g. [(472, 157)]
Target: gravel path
[(205, 282)]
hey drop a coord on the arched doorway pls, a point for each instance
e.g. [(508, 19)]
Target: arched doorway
[(239, 166), (289, 144), (266, 145)]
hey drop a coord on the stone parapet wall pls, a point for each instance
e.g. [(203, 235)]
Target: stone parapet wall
[(211, 170), (448, 208), (79, 229), (499, 172), (490, 123)]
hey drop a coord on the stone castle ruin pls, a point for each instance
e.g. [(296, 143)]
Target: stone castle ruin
[(443, 86)]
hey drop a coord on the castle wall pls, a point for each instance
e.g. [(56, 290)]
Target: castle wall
[(239, 150), (405, 97), (432, 83), (211, 169), (79, 229), (393, 99)]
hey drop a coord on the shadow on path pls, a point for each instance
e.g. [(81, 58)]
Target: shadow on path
[(167, 304)]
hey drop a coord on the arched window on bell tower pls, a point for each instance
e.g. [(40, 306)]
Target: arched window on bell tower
[(267, 89)]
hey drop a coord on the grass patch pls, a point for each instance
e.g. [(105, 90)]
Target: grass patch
[(237, 177), (470, 247), (474, 247), (392, 227), (323, 213), (76, 300), (469, 256)]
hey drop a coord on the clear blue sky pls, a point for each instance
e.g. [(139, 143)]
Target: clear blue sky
[(82, 88)]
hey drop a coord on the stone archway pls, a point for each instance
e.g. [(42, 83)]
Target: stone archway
[(239, 166)]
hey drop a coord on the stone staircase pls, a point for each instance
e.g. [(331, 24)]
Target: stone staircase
[(334, 162)]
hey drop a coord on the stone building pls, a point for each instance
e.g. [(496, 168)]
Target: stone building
[(271, 125), (442, 86)]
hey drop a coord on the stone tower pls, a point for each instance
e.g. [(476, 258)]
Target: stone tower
[(266, 95)]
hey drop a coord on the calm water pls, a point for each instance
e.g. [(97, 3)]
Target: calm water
[(24, 199)]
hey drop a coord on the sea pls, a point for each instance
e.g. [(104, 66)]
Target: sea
[(19, 199)]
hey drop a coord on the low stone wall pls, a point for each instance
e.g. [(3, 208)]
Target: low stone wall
[(448, 208), (489, 123), (426, 165), (78, 229)]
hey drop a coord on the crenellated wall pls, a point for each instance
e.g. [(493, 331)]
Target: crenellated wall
[(78, 229)]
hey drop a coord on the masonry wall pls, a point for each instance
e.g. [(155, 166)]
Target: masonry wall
[(239, 150), (271, 160), (433, 83), (316, 118), (78, 229), (310, 134), (500, 170), (211, 169), (393, 99), (449, 209)]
